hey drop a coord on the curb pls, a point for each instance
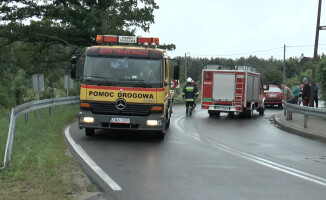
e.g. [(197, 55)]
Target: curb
[(105, 192), (299, 131)]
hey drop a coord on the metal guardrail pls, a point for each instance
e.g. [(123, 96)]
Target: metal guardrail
[(305, 111), (26, 108)]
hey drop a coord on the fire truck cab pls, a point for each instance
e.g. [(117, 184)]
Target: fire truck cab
[(125, 86), (238, 90)]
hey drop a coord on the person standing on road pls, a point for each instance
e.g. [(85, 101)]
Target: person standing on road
[(195, 85), (316, 95), (296, 92), (288, 96), (190, 92), (306, 92)]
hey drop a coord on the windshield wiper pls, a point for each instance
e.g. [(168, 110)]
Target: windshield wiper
[(106, 80), (140, 81)]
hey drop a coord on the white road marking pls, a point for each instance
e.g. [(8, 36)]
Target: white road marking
[(256, 159), (97, 169)]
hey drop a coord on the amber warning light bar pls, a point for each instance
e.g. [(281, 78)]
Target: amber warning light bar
[(126, 39)]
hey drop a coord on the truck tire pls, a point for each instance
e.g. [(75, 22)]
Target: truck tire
[(167, 121), (246, 113), (261, 110), (213, 113), (160, 135), (89, 132), (249, 113), (230, 114), (168, 117)]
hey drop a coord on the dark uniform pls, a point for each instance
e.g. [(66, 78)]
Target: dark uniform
[(189, 93)]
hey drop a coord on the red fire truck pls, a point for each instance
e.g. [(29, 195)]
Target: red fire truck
[(238, 90)]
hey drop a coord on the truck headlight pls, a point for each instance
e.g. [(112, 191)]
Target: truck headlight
[(154, 122), (88, 120)]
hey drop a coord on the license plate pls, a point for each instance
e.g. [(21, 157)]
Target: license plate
[(116, 120), (272, 95), (221, 108)]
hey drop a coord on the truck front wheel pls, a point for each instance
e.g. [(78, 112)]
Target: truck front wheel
[(160, 135), (89, 132)]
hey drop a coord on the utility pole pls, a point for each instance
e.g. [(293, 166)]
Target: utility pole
[(284, 77), (318, 27)]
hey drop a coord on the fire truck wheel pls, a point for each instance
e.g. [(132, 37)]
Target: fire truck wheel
[(89, 131), (246, 113), (212, 113), (261, 110), (249, 113)]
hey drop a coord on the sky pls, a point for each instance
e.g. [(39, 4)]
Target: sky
[(239, 28)]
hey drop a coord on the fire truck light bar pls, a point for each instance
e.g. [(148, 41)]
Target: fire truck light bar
[(126, 39)]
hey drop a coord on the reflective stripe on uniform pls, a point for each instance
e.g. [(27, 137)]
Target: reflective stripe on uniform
[(190, 88)]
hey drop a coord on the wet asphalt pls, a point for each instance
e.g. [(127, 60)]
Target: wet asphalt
[(206, 157)]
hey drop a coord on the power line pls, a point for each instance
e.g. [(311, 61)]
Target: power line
[(260, 51), (238, 54), (306, 45)]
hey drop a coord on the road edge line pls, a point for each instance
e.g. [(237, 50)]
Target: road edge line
[(91, 163)]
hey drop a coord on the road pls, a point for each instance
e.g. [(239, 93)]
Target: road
[(209, 158)]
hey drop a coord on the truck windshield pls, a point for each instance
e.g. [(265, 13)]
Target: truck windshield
[(124, 71)]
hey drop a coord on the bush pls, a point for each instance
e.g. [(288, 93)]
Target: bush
[(321, 77)]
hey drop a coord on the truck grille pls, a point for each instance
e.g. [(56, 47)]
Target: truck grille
[(131, 109)]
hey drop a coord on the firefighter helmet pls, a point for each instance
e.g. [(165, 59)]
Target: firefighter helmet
[(189, 80)]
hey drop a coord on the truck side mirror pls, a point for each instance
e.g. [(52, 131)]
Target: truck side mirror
[(73, 67), (176, 72)]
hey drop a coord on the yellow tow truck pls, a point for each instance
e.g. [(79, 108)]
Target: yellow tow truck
[(125, 86)]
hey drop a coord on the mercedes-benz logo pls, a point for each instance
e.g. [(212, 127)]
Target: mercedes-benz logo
[(120, 104)]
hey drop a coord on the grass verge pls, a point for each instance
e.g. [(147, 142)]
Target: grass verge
[(40, 166), (4, 127)]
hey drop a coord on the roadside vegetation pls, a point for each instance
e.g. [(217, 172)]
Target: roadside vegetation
[(4, 126), (271, 69), (41, 167)]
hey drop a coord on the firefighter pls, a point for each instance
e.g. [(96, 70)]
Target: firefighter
[(190, 92), (195, 85)]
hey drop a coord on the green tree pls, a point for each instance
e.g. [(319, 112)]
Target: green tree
[(272, 76), (73, 22), (321, 73)]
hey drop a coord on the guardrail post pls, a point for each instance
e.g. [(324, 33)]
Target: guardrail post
[(26, 118), (305, 120), (50, 111)]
